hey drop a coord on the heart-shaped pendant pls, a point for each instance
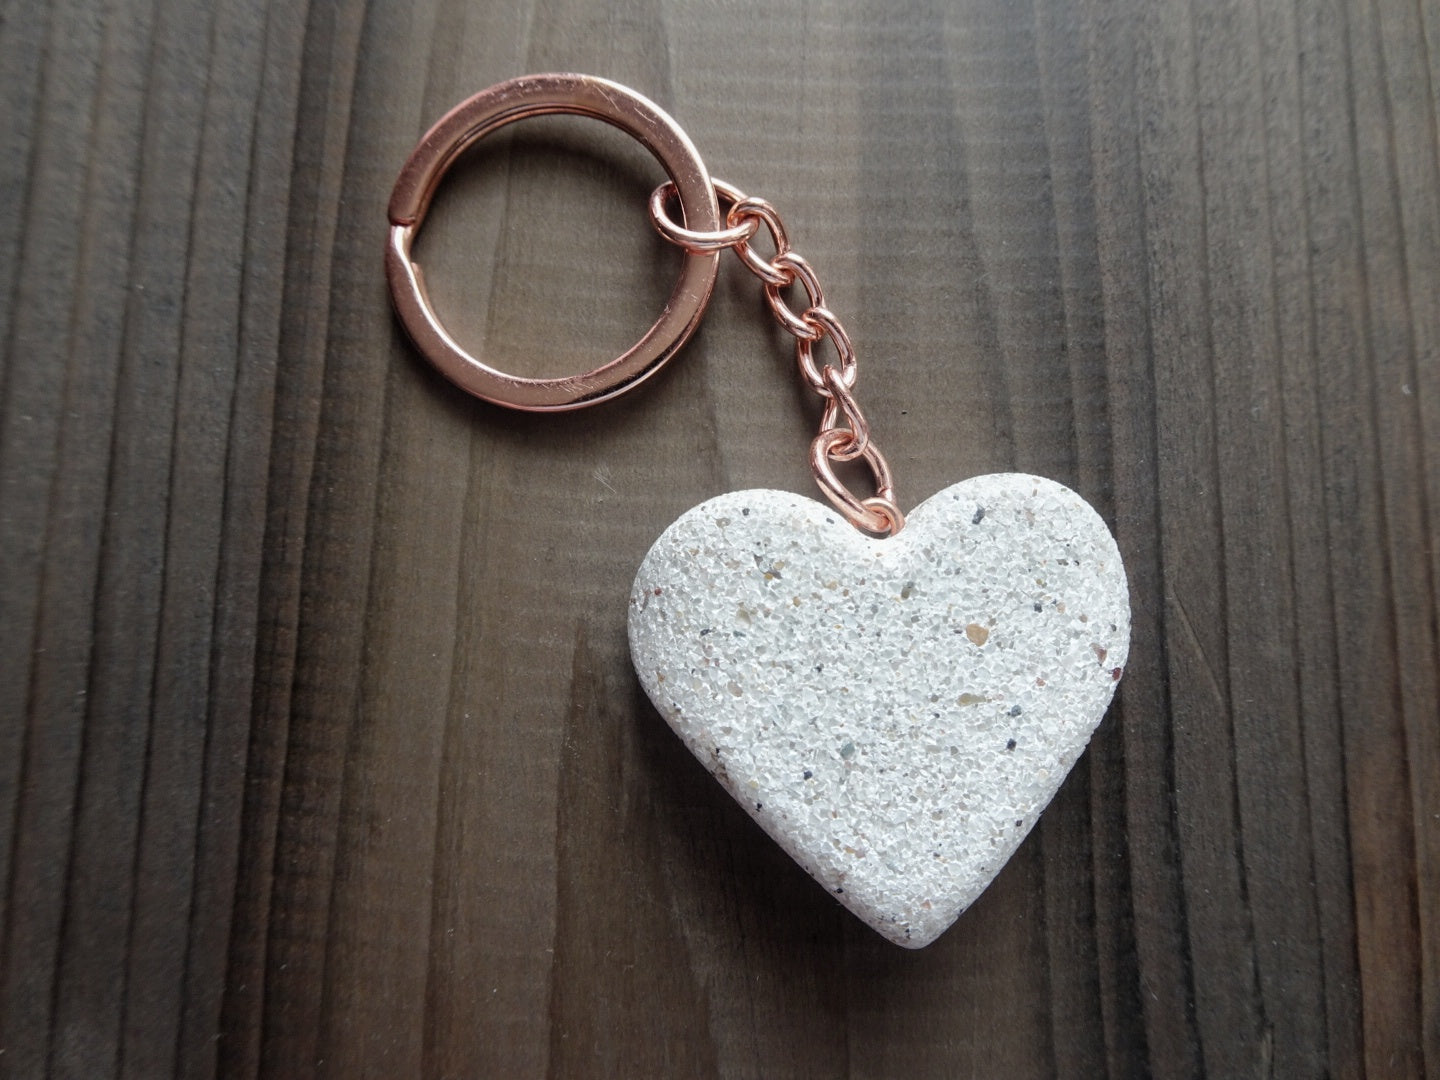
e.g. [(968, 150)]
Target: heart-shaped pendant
[(895, 713)]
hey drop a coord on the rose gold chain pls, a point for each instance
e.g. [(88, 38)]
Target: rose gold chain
[(844, 431)]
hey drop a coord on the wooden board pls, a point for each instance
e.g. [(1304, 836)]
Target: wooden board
[(320, 754)]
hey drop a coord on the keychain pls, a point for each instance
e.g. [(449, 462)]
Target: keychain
[(893, 698)]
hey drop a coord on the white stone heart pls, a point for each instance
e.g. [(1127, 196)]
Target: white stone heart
[(895, 713)]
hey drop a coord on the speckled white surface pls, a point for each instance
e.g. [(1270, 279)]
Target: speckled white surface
[(895, 713)]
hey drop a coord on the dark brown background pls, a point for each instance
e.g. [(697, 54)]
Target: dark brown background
[(319, 749)]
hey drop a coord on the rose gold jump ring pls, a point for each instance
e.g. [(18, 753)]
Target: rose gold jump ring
[(882, 519), (473, 119), (824, 319), (889, 510), (843, 403), (766, 271), (691, 239), (800, 271)]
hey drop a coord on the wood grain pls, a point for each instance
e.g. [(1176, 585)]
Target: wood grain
[(320, 754)]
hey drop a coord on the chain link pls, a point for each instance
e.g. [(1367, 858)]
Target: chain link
[(843, 406), (844, 432), (799, 269)]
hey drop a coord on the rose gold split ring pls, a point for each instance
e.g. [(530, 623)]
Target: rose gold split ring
[(472, 120)]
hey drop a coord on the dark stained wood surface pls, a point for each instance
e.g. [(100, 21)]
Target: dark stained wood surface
[(320, 753)]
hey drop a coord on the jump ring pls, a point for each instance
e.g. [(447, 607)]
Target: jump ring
[(694, 240), (886, 508)]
